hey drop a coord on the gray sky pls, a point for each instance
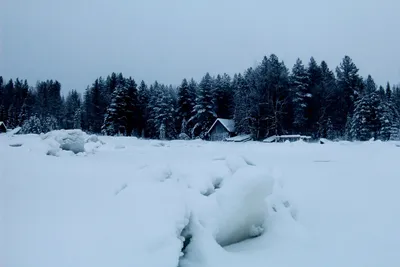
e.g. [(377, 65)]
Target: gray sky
[(75, 41)]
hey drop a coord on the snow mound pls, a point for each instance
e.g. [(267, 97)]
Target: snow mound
[(242, 205), (235, 162), (183, 136), (69, 140)]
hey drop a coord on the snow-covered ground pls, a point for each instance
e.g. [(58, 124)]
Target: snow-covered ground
[(128, 202)]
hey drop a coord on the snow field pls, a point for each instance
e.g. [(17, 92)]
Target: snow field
[(125, 202)]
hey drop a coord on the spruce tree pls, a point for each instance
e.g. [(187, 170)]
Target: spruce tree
[(164, 119), (143, 100), (350, 84), (388, 91), (361, 128), (314, 115), (72, 105), (115, 121), (204, 114), (223, 96), (370, 85), (186, 102), (132, 109), (300, 95)]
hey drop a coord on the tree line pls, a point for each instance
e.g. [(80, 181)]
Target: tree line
[(269, 99)]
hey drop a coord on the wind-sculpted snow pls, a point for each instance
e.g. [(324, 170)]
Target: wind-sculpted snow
[(129, 202)]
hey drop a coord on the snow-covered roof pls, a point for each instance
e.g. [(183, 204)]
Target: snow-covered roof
[(229, 125), (239, 138), (2, 124), (288, 136)]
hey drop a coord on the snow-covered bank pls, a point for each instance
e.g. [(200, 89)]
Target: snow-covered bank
[(126, 201)]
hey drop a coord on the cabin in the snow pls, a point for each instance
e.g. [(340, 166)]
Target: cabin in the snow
[(3, 127), (221, 130)]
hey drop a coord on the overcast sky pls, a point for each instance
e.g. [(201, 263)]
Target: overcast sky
[(75, 41)]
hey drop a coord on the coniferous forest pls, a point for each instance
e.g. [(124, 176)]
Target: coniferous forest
[(270, 99)]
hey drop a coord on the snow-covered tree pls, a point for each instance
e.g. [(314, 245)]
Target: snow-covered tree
[(350, 86), (223, 96), (389, 121), (72, 105), (186, 102), (115, 121), (164, 119), (243, 103), (370, 85), (204, 114), (300, 95), (32, 125), (365, 121), (143, 102)]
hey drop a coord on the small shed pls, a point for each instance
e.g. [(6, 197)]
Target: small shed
[(3, 127), (221, 130), (240, 138), (284, 138)]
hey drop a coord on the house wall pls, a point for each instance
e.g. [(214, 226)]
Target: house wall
[(218, 133)]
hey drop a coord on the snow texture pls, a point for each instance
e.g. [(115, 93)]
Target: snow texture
[(301, 204)]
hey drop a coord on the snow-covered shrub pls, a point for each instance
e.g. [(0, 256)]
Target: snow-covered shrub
[(183, 136)]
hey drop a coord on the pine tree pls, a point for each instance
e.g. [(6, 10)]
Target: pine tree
[(389, 121), (204, 114), (115, 121), (72, 105), (27, 108), (96, 113), (361, 128), (370, 85), (164, 118), (143, 101), (350, 85), (86, 111), (300, 95), (330, 132), (243, 103), (77, 124), (12, 118), (388, 91), (32, 125), (50, 123), (2, 113), (314, 111), (186, 103), (132, 109), (381, 92), (223, 96)]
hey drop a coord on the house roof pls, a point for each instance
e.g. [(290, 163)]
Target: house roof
[(239, 138), (229, 125), (2, 124)]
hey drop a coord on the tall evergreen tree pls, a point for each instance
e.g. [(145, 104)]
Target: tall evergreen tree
[(300, 95), (73, 109), (388, 91), (350, 85), (204, 114), (164, 119), (186, 103), (133, 108), (223, 96), (370, 85), (143, 99), (116, 118)]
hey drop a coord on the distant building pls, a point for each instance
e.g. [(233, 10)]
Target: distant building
[(240, 138), (284, 138), (3, 127), (221, 130)]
